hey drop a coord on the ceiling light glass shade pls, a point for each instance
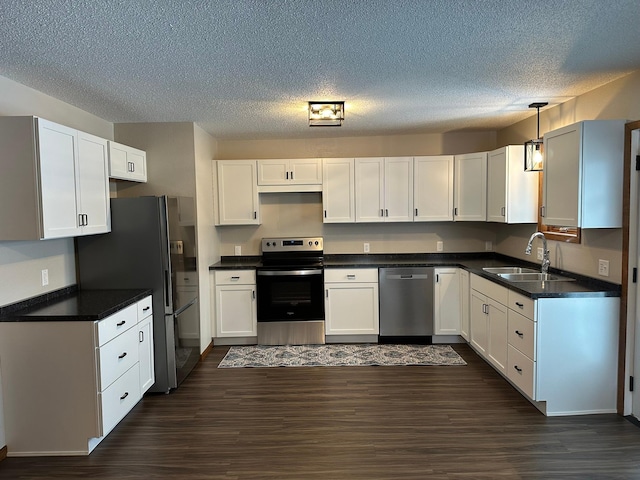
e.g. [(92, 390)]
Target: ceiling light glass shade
[(533, 150), (326, 114)]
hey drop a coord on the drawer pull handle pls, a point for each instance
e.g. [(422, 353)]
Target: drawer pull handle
[(519, 333), (519, 370), (140, 336), (126, 394), (235, 278), (122, 356), (351, 277), (119, 324), (145, 309), (521, 305)]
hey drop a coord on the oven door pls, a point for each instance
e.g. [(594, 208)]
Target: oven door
[(290, 295)]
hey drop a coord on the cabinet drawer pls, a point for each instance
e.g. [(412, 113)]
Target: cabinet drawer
[(522, 334), (186, 278), (120, 398), (360, 275), (492, 290), (145, 308), (117, 356), (115, 324), (235, 277), (521, 304), (521, 371)]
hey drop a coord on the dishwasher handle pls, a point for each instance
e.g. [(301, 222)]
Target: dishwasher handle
[(418, 276)]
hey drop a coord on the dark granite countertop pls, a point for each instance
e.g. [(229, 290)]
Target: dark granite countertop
[(72, 305), (473, 262)]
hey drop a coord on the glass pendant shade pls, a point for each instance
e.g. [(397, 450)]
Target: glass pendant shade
[(533, 150), (326, 114)]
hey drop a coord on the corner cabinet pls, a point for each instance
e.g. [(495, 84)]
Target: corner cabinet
[(560, 353), (127, 163), (235, 303), (238, 202), (470, 192), (583, 170), (75, 381), (58, 186), (338, 190), (512, 193), (351, 301)]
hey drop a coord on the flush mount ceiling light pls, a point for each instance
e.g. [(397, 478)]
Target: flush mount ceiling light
[(533, 148), (326, 114)]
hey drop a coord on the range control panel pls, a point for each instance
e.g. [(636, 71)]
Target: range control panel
[(304, 244)]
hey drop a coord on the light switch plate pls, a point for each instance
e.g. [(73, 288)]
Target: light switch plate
[(540, 253), (439, 246), (488, 245), (45, 277), (237, 250), (366, 247)]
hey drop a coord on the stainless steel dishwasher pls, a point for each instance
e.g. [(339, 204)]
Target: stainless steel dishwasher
[(406, 304)]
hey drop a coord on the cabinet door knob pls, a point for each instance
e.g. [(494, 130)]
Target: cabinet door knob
[(126, 394), (519, 333), (520, 305), (145, 309), (121, 356), (518, 369)]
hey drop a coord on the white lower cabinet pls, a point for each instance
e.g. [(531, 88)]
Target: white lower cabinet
[(236, 310), (447, 308), (73, 384), (351, 301), (561, 353), (145, 345)]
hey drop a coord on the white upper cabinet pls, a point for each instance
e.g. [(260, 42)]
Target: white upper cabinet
[(470, 191), (384, 189), (512, 193), (583, 170), (58, 183), (433, 188), (303, 173), (338, 190), (238, 201), (127, 163)]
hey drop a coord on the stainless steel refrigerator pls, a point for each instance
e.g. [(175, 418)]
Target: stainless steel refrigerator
[(152, 244)]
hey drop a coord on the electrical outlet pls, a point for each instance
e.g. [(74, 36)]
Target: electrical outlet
[(45, 277), (439, 246), (488, 245), (540, 253), (366, 247), (237, 250), (603, 267)]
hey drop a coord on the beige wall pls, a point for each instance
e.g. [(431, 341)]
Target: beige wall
[(22, 262), (179, 163), (208, 237), (617, 100), (369, 146)]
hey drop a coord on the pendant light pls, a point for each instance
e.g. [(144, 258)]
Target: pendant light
[(326, 114), (533, 148)]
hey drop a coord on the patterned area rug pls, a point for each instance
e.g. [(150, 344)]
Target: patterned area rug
[(337, 355)]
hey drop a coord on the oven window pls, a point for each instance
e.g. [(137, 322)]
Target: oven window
[(285, 298)]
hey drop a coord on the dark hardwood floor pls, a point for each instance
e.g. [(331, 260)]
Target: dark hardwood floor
[(348, 423)]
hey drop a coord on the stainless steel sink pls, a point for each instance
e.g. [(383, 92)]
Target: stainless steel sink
[(534, 277), (508, 270)]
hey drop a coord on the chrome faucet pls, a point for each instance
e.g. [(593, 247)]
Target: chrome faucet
[(545, 253)]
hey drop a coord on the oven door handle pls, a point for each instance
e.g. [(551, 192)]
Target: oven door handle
[(281, 273)]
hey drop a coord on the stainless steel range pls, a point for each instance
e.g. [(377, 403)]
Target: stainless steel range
[(290, 286)]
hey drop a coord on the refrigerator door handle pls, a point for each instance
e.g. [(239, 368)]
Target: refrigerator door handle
[(167, 284)]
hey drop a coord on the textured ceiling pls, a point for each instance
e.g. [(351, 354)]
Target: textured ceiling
[(246, 68)]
